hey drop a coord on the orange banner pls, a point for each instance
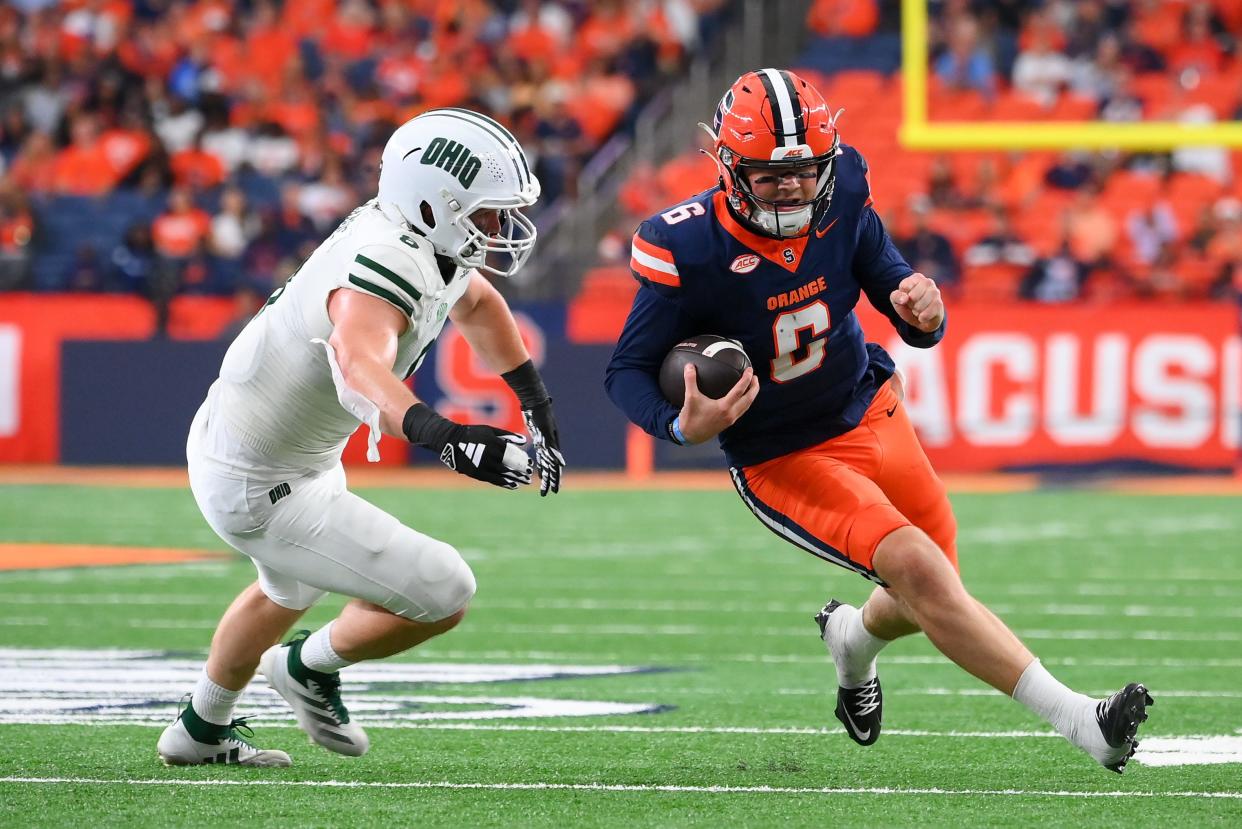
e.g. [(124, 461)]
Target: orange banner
[(1029, 385)]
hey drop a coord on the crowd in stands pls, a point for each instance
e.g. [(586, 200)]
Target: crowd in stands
[(170, 146), (1041, 226)]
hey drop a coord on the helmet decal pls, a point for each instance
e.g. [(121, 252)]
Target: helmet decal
[(456, 159)]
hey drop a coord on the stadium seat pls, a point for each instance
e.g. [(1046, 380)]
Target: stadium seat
[(1016, 106), (1071, 107)]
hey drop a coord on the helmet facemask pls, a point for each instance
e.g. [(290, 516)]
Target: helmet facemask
[(781, 219)]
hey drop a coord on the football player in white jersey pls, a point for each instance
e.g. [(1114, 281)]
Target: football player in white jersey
[(329, 352)]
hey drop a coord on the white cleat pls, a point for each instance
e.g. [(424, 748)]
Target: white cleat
[(315, 698), (192, 741)]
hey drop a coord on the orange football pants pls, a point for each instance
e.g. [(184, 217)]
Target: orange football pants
[(840, 498)]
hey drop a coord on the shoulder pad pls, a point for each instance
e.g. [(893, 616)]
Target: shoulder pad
[(853, 175), (651, 260), (393, 271)]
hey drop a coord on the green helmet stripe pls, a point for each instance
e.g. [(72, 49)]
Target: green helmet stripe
[(502, 128), (503, 137)]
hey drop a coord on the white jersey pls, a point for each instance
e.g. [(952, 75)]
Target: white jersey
[(280, 392)]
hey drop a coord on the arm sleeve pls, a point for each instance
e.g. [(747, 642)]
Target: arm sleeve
[(879, 268), (388, 273), (655, 324)]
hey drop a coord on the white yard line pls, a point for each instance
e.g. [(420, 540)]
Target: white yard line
[(653, 606), (615, 787)]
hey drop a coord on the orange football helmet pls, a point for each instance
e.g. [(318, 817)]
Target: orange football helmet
[(774, 120)]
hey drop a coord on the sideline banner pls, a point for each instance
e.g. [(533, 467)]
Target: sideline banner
[(1021, 385), (1011, 386)]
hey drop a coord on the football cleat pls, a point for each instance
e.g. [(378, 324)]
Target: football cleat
[(1119, 718), (859, 709), (192, 741), (315, 698)]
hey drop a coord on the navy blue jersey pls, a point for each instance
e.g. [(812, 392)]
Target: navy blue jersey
[(789, 302)]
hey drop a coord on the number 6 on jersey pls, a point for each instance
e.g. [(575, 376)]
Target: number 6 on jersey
[(785, 333)]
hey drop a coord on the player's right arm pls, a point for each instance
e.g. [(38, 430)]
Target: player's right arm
[(658, 321), (364, 337), (365, 329)]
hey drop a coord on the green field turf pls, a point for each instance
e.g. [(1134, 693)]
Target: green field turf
[(739, 728)]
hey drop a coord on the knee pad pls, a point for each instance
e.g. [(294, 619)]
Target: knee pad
[(439, 584)]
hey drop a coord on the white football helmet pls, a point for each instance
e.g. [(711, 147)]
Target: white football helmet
[(441, 167)]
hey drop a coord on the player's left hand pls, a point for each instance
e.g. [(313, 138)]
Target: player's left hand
[(541, 426), (918, 302)]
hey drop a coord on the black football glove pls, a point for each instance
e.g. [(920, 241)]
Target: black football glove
[(541, 425), (484, 453), (537, 412)]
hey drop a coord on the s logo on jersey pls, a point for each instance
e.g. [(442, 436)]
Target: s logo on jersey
[(745, 263)]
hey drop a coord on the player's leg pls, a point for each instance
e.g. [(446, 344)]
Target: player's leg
[(407, 588), (251, 625), (205, 730), (975, 639), (827, 507), (963, 628)]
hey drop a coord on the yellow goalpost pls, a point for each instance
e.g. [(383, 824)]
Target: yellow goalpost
[(918, 133)]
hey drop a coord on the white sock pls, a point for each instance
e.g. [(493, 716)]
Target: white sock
[(213, 703), (317, 652), (855, 648), (1072, 714)]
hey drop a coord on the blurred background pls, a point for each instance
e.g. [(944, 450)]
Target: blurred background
[(166, 164)]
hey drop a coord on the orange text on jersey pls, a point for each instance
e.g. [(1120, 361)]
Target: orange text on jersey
[(786, 298)]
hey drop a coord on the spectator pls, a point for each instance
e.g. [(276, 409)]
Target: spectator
[(195, 168), (234, 226), (1092, 229), (82, 169), (1040, 71), (16, 234), (965, 63), (1059, 277), (843, 18), (1152, 229), (133, 261), (1209, 161), (34, 168), (1001, 246), (85, 272), (179, 235), (326, 201), (1072, 171)]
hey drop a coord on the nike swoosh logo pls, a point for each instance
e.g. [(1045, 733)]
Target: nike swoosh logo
[(862, 735), (893, 410), (819, 234)]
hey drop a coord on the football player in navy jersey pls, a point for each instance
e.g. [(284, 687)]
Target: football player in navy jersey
[(818, 443)]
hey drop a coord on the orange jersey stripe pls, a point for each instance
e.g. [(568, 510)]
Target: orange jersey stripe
[(652, 250), (669, 279)]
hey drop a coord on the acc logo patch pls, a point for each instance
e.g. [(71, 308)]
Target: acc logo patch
[(745, 263)]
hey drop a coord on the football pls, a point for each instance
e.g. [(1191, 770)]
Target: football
[(718, 361)]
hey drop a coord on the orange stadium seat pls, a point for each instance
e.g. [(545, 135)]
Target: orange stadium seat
[(1071, 107), (956, 106), (991, 283), (1016, 106), (1156, 91)]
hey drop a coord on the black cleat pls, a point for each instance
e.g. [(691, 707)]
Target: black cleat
[(1119, 718), (859, 709)]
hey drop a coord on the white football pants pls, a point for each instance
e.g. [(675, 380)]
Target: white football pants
[(308, 535)]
